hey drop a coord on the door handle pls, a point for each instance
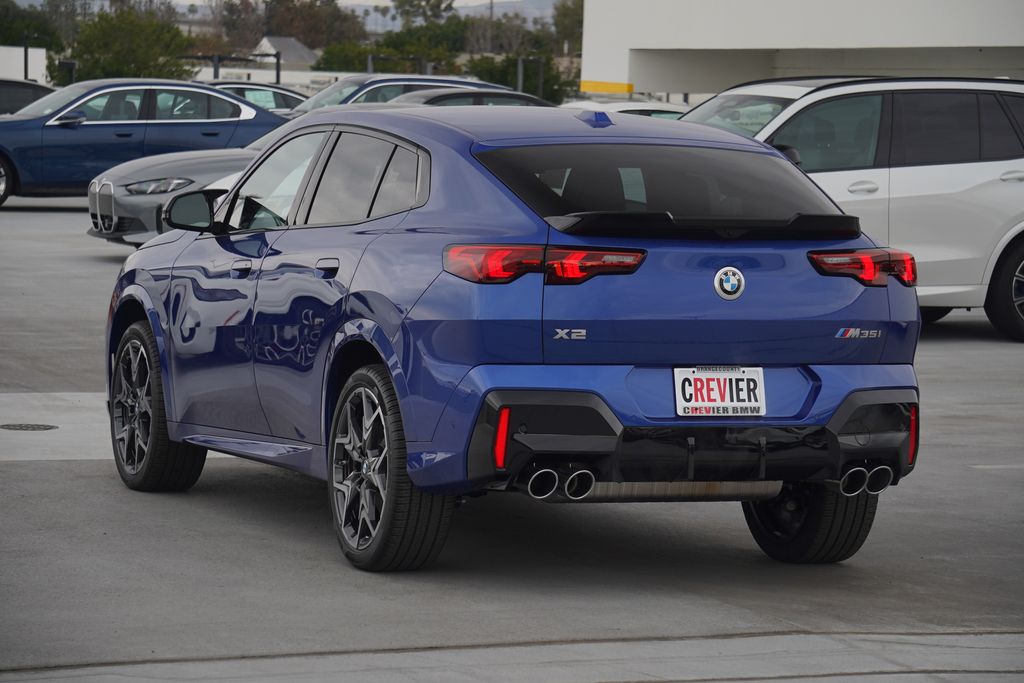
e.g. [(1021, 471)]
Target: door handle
[(1012, 175), (863, 187), (241, 268), (211, 133), (124, 135), (327, 268)]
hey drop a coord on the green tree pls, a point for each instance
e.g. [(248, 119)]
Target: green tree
[(314, 23), (244, 23), (127, 43), (504, 72), (67, 15), (21, 25), (568, 22), (427, 11)]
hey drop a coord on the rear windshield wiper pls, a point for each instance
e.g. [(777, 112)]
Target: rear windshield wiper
[(661, 224)]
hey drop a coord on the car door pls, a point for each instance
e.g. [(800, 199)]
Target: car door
[(844, 145), (213, 289), (366, 185), (184, 119), (956, 184), (111, 132)]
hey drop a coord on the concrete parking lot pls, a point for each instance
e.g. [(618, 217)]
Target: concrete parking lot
[(241, 577)]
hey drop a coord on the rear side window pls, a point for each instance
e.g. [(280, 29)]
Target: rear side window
[(835, 135), (350, 180), (398, 188), (1016, 105), (687, 182), (998, 138), (936, 128), (222, 109)]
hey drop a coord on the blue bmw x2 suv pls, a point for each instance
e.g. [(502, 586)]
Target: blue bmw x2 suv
[(420, 304)]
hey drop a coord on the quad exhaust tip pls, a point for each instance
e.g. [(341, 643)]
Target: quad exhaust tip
[(878, 480), (542, 484), (579, 484), (859, 479)]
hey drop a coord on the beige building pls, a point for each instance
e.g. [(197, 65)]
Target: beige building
[(707, 45)]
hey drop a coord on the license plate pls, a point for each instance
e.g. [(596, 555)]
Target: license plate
[(719, 391)]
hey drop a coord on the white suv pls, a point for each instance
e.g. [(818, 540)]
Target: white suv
[(933, 166)]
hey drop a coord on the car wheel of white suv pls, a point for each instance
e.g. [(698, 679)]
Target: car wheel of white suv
[(1005, 302)]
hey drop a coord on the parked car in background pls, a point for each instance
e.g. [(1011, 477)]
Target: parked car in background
[(382, 88), (56, 145), (931, 165), (457, 97), (268, 96), (15, 94), (658, 110), (422, 303)]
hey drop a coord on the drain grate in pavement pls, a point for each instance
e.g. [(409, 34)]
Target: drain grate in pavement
[(28, 427)]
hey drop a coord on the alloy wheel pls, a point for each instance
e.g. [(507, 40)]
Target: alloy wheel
[(3, 180), (359, 475), (784, 515), (132, 406), (1017, 289)]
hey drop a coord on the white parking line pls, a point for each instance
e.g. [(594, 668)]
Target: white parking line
[(82, 433), (1019, 466)]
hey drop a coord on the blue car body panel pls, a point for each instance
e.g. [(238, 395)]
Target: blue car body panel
[(249, 358), (49, 159)]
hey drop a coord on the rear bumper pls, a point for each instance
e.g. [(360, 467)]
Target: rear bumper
[(835, 426)]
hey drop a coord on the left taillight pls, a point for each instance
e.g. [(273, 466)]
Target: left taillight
[(500, 263), (870, 267)]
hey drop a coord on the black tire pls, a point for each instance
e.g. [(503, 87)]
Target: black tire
[(811, 523), (146, 458), (933, 314), (6, 180), (411, 525), (1005, 301)]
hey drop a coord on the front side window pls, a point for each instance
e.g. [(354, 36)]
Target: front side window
[(259, 97), (119, 105), (347, 187), (936, 128), (503, 101), (835, 135), (457, 101), (265, 199), (690, 183), (743, 114)]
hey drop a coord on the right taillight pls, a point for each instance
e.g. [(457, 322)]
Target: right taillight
[(871, 267), (500, 263)]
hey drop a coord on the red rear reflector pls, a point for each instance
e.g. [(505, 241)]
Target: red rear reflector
[(915, 434), (573, 266), (501, 438), (493, 264), (871, 267), (500, 263)]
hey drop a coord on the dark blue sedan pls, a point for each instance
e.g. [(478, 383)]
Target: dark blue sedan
[(57, 144)]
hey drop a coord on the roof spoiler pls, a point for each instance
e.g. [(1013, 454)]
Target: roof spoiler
[(661, 224)]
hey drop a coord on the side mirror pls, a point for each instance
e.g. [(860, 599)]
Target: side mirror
[(193, 211), (72, 119), (791, 153)]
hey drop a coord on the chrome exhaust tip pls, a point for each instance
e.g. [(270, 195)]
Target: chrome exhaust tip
[(579, 484), (878, 480), (853, 482), (542, 484)]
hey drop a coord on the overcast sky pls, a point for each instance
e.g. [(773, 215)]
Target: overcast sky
[(387, 2)]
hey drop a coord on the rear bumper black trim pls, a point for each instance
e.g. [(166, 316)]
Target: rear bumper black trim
[(577, 429)]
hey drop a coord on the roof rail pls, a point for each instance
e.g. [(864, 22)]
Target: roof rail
[(846, 80)]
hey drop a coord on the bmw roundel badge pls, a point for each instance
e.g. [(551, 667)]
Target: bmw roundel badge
[(729, 283)]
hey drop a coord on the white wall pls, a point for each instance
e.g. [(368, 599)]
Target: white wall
[(749, 39), (12, 63)]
